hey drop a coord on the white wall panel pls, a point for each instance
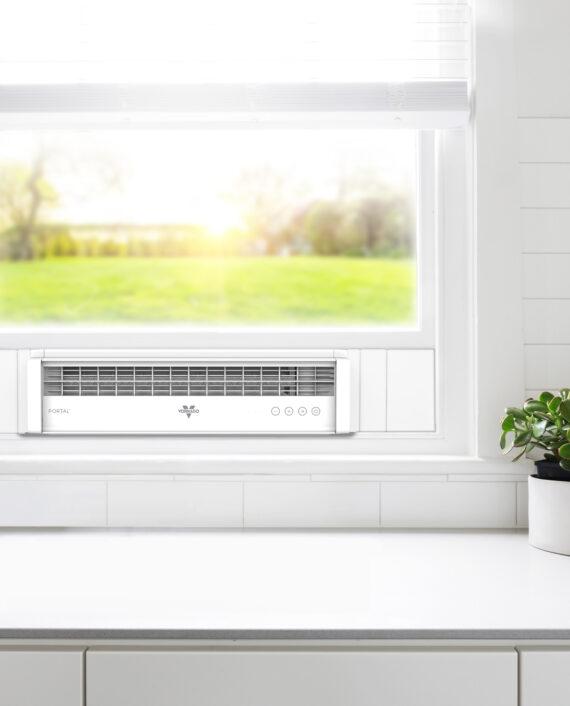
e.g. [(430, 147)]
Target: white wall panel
[(547, 321), (373, 390), (545, 185), (544, 140), (547, 367), (546, 276), (311, 504), (410, 390), (545, 230), (8, 392), (448, 504), (542, 57), (39, 503), (175, 504)]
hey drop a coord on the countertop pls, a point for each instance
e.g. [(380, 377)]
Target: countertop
[(292, 584)]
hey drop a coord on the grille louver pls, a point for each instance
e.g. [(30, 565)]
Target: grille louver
[(189, 380)]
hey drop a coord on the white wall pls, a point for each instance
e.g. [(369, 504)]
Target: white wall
[(543, 109)]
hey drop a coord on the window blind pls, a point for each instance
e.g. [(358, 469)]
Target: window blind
[(239, 42)]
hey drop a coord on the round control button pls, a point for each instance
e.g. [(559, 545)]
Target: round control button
[(302, 411), (316, 411), (288, 411), (275, 411)]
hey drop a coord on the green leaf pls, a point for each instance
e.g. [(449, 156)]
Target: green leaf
[(565, 465), (516, 413), (538, 428), (506, 447), (532, 406), (554, 404), (546, 397), (564, 451), (522, 453), (523, 438), (565, 393), (565, 410), (508, 423)]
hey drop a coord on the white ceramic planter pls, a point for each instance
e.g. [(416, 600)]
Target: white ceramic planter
[(549, 514)]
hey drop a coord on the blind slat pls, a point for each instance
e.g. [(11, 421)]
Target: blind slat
[(65, 41)]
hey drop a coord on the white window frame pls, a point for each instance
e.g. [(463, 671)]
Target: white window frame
[(444, 290)]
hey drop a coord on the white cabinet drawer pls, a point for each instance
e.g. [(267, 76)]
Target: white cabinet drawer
[(41, 678), (302, 678), (545, 677)]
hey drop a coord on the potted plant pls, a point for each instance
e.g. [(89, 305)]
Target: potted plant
[(544, 424)]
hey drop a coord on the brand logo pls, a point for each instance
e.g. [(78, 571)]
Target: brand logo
[(58, 410), (189, 410)]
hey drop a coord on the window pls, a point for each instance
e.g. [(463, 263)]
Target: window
[(244, 174), (281, 227)]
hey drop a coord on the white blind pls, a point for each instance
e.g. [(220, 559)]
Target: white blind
[(232, 41)]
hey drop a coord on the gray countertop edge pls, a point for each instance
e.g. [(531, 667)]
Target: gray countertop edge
[(305, 634)]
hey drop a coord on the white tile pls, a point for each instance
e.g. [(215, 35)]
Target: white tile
[(448, 504), (8, 392), (40, 503), (311, 504), (490, 477), (546, 276), (547, 367), (373, 390), (175, 504), (522, 504), (547, 321), (545, 230), (542, 57), (544, 140), (411, 390), (545, 185), (377, 477)]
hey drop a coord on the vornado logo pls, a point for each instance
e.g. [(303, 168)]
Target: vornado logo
[(58, 410), (189, 410)]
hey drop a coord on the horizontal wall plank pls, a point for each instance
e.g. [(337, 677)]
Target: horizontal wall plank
[(542, 57), (39, 503), (311, 504), (547, 367), (544, 140), (547, 321), (33, 677), (175, 504), (545, 185), (448, 504), (546, 276), (545, 230)]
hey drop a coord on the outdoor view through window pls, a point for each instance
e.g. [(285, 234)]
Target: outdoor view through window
[(208, 227)]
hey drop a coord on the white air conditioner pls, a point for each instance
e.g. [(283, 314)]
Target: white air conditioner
[(190, 395)]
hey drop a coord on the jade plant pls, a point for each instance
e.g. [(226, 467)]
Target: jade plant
[(542, 423)]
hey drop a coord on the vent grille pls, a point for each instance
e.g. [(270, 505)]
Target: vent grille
[(189, 380)]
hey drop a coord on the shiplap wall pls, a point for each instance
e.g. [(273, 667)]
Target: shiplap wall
[(543, 107)]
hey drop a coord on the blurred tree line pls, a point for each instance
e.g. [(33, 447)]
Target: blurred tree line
[(375, 221)]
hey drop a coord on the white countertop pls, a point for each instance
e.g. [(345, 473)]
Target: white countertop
[(381, 583)]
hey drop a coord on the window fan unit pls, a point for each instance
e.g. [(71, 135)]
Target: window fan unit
[(185, 395)]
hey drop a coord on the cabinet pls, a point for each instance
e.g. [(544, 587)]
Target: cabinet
[(304, 677), (41, 678), (544, 677)]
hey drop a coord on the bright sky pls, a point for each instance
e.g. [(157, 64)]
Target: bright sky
[(193, 176)]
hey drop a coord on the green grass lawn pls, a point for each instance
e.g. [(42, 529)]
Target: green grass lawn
[(238, 290)]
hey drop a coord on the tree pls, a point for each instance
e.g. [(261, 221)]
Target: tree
[(24, 195)]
